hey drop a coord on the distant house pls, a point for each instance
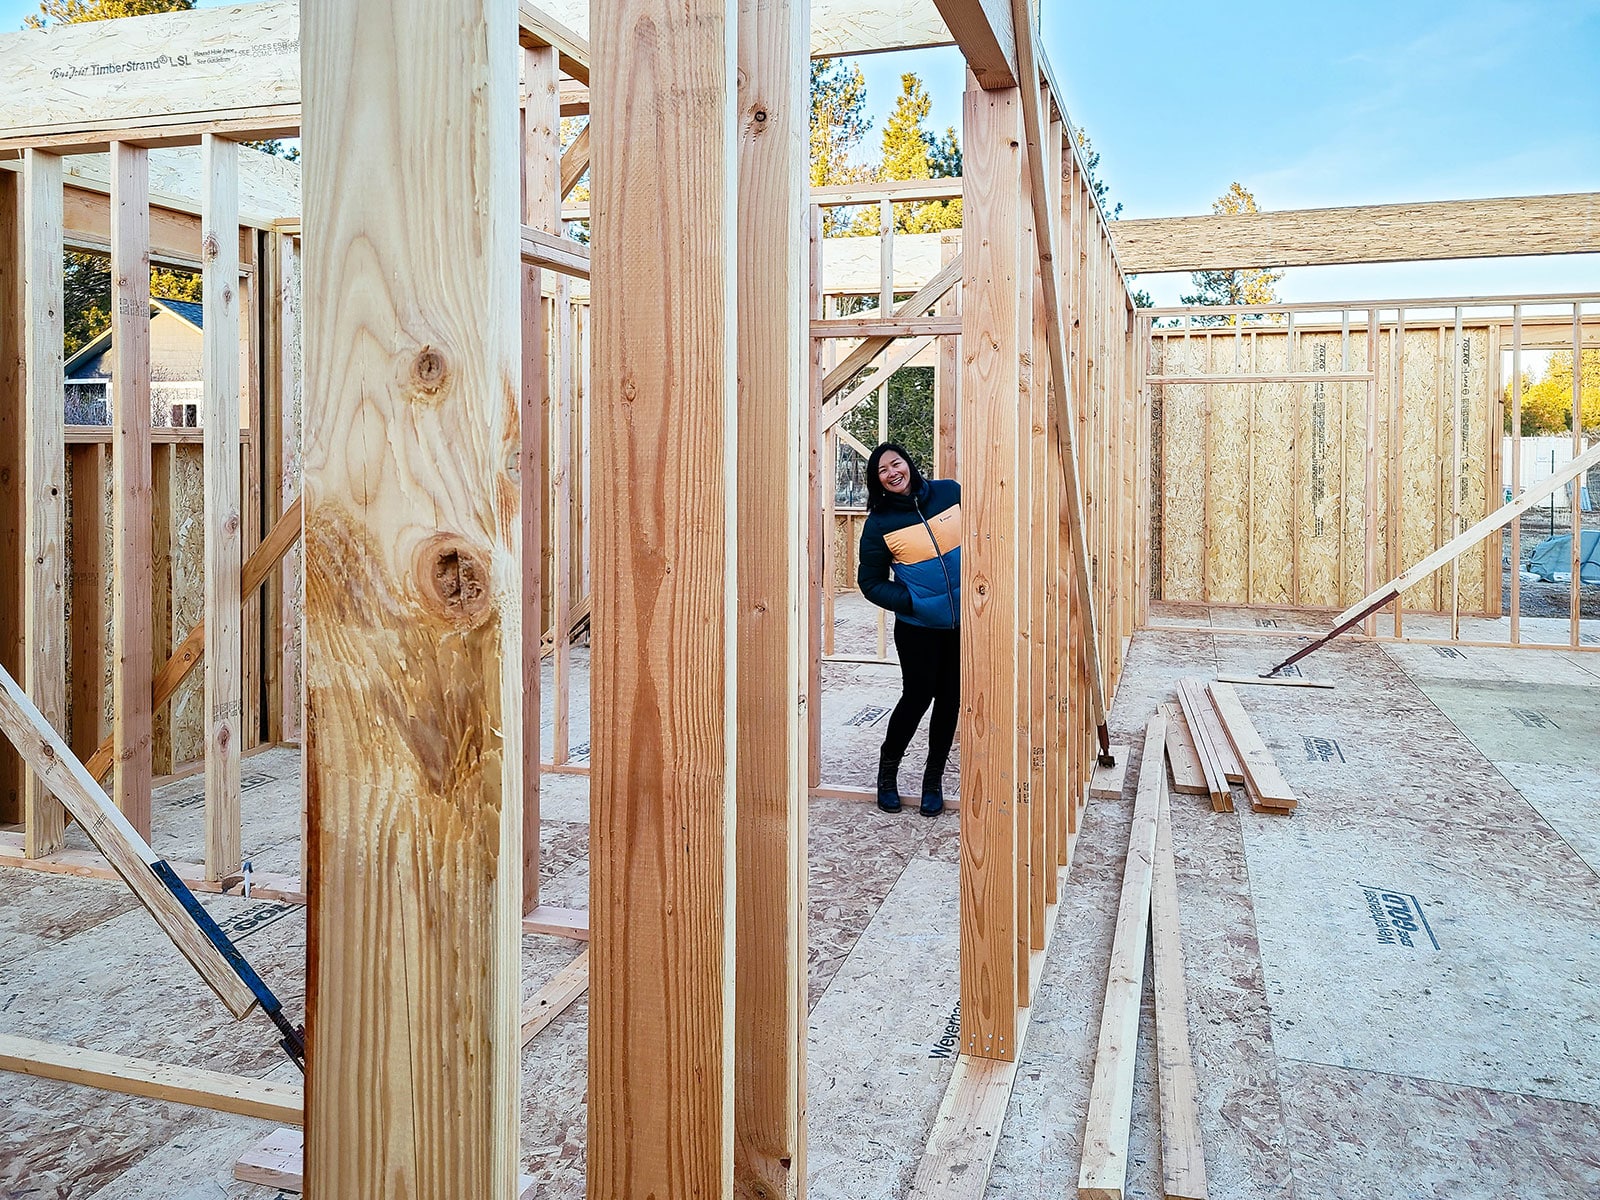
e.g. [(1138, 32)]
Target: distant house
[(175, 351)]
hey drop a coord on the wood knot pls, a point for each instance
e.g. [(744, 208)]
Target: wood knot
[(209, 248), (430, 376), (455, 580)]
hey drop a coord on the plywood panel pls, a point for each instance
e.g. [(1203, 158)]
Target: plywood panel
[(1273, 447), (1229, 479), (1183, 506)]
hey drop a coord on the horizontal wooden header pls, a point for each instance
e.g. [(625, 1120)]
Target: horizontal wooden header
[(1567, 224), (158, 70)]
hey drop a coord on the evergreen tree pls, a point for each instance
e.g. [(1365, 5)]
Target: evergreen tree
[(910, 151), (1233, 287), (1102, 193), (838, 123)]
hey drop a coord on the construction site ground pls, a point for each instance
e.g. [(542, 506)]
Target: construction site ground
[(1455, 790)]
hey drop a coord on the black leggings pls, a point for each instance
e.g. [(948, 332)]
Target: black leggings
[(930, 670)]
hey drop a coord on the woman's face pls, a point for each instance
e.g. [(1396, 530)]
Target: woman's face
[(894, 473)]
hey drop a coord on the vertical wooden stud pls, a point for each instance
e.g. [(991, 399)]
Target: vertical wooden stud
[(163, 467), (818, 531), (991, 290), (662, 840), (44, 600), (13, 484), (224, 668), (131, 549), (86, 628), (774, 339), (413, 585)]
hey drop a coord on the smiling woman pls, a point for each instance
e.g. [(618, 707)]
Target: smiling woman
[(911, 565)]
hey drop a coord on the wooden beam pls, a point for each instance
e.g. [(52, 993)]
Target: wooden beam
[(1266, 783), (412, 597), (898, 190), (874, 329), (86, 628), (1103, 1169), (557, 253), (1516, 225), (990, 783), (261, 1098), (46, 753), (1183, 1159), (537, 27), (770, 993), (863, 355), (13, 482), (574, 162), (44, 600), (984, 31), (839, 407), (550, 1001), (224, 667), (664, 437)]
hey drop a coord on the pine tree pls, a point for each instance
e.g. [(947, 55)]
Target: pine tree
[(1233, 287), (910, 151), (838, 123), (1102, 192)]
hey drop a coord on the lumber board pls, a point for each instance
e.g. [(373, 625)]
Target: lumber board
[(1489, 228), (840, 406), (159, 70), (988, 40), (88, 864), (560, 922), (539, 26), (1106, 783), (664, 438), (44, 614), (1188, 776), (769, 1149), (1103, 1169), (1206, 714), (13, 485), (413, 613), (966, 1131), (864, 354), (224, 654), (991, 776), (1183, 1160), (115, 837), (873, 329), (554, 252), (1267, 784), (194, 1086), (284, 534), (132, 647), (550, 1001), (574, 162), (1211, 764)]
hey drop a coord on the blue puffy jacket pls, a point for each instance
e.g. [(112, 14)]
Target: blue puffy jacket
[(919, 537)]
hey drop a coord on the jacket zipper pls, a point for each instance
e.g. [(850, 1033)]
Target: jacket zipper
[(949, 591)]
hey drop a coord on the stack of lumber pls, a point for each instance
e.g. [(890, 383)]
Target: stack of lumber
[(1212, 744), (1148, 908)]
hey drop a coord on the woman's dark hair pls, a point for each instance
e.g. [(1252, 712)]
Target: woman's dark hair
[(876, 496)]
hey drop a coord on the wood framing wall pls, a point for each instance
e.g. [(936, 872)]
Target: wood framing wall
[(1264, 492)]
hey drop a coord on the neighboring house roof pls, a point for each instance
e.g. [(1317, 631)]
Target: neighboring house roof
[(90, 361)]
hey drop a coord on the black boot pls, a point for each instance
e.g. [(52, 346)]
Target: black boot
[(888, 785), (932, 791)]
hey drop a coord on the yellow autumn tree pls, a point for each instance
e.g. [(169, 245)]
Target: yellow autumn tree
[(1547, 399)]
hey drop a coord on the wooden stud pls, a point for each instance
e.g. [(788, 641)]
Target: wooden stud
[(990, 784), (131, 484), (818, 531), (550, 1001), (413, 632), (44, 618), (1574, 605), (664, 287), (223, 556), (163, 592), (561, 512), (86, 634), (13, 482), (1103, 1169), (1188, 775)]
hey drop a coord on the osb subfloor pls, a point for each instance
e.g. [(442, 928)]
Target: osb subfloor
[(1331, 1063)]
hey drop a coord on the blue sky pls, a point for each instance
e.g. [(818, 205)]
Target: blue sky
[(1308, 105)]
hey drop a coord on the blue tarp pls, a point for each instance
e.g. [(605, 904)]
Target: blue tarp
[(1555, 554)]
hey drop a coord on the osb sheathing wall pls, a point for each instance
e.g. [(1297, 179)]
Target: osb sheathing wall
[(1263, 485)]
